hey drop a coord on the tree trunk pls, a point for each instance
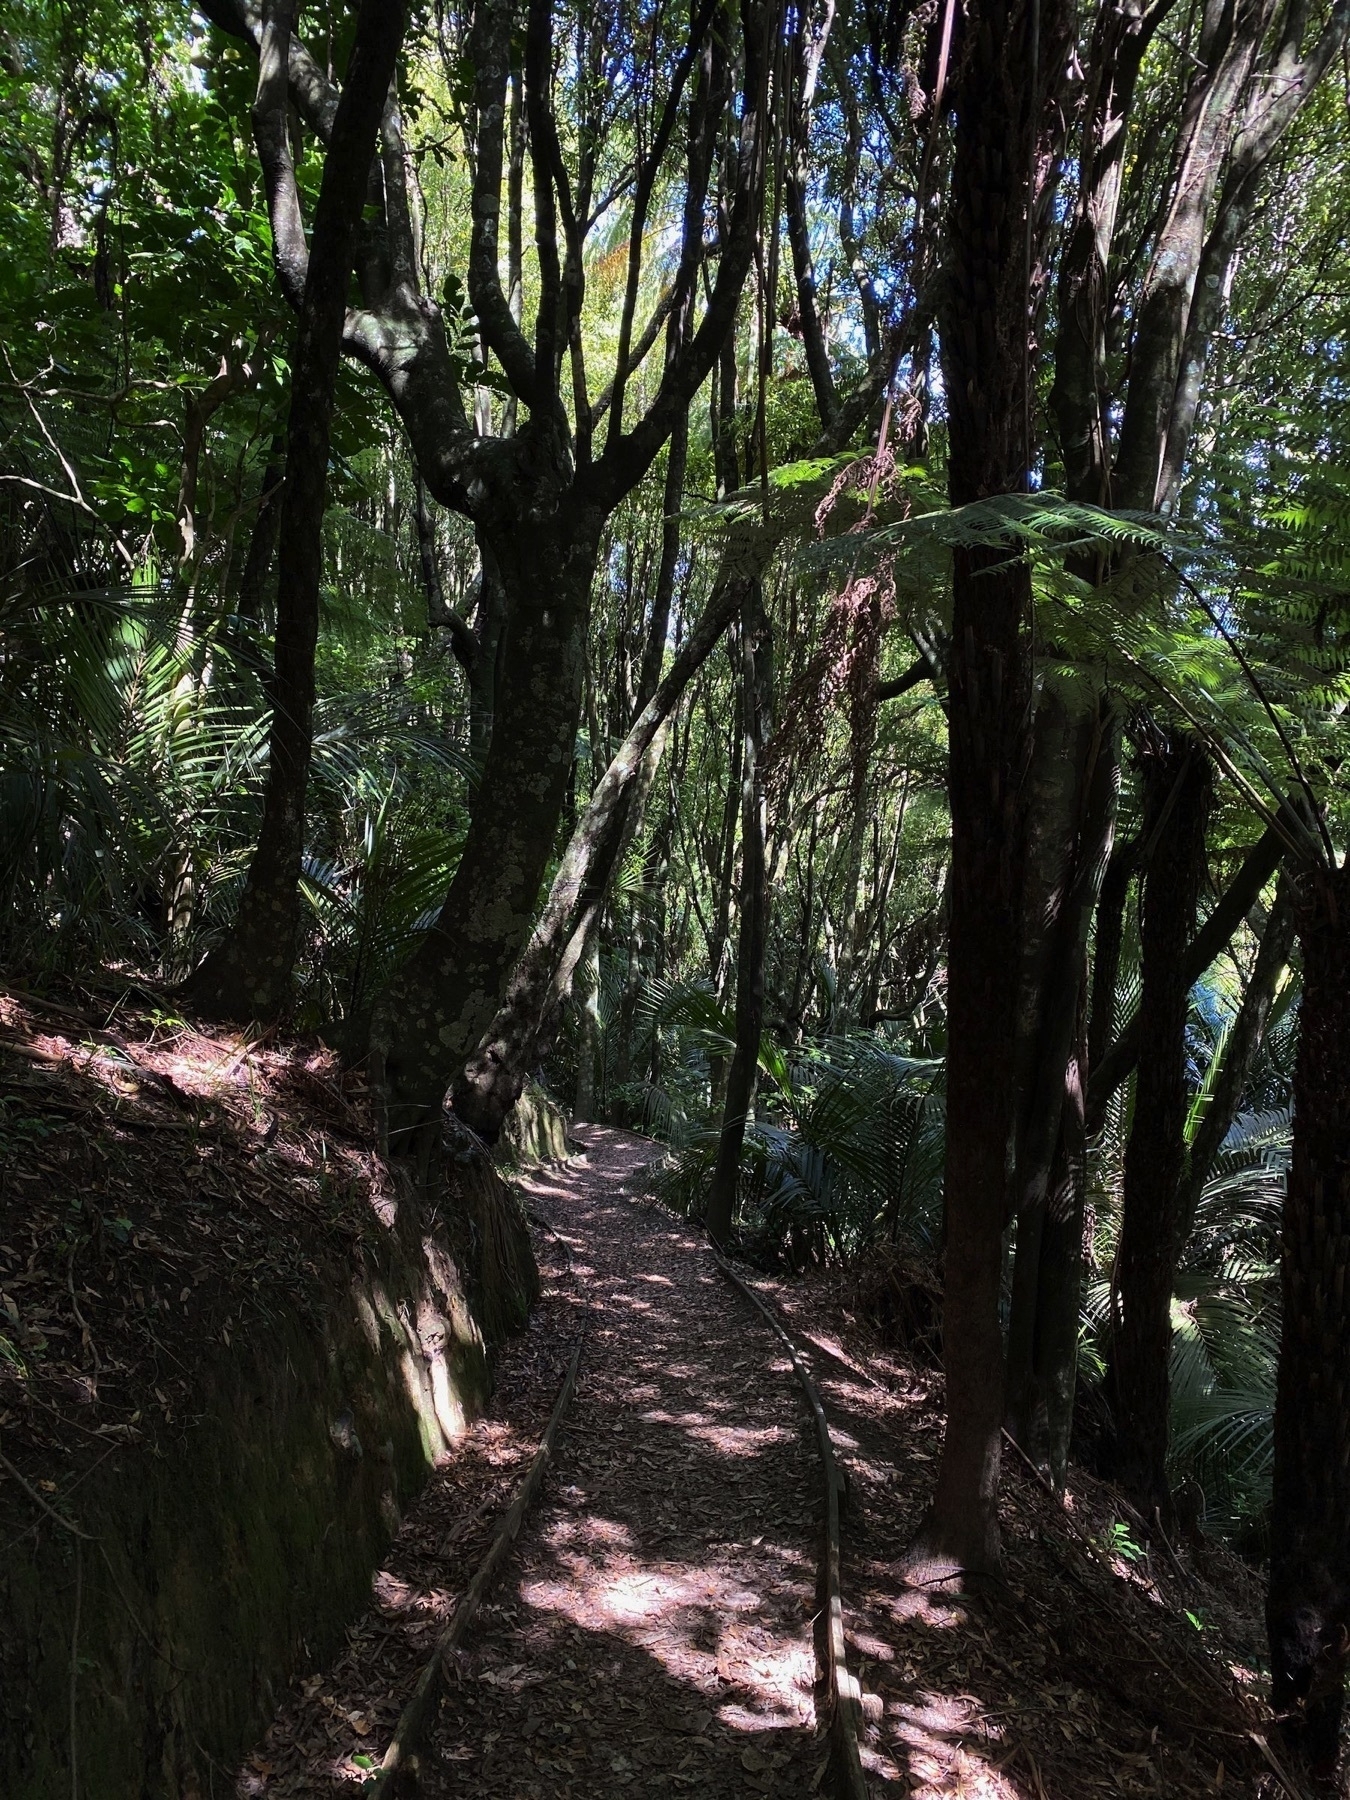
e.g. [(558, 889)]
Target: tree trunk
[(1075, 767), (640, 944), (1308, 1608), (1178, 787), (756, 702), (1059, 1280), (1110, 1066), (1106, 951), (249, 975), (489, 633), (720, 939), (588, 1032), (438, 1006), (490, 1081), (842, 1011), (989, 681), (658, 627), (634, 805), (1001, 175), (262, 543), (1239, 1054)]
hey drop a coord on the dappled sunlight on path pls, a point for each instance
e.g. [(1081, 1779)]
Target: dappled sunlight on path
[(1061, 1680), (654, 1633)]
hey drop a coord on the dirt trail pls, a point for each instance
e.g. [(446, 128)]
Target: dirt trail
[(653, 1630)]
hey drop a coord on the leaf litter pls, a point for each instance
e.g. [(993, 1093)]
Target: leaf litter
[(654, 1632)]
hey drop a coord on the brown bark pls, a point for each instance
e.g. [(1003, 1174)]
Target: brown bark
[(1106, 952), (1308, 1608), (1112, 1066), (1239, 1054), (1005, 161), (757, 708), (492, 1078), (1121, 35), (1075, 772), (988, 688), (806, 60), (1059, 1282), (438, 1006), (248, 976), (262, 543), (1178, 788)]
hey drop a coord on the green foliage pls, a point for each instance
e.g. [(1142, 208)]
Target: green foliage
[(396, 851), (125, 768), (1227, 1323), (844, 1150)]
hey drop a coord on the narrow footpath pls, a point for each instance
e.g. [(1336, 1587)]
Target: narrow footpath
[(653, 1630)]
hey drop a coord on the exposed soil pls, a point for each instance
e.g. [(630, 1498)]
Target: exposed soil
[(162, 1187), (1097, 1666), (653, 1631)]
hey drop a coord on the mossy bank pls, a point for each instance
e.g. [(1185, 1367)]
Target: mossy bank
[(151, 1616)]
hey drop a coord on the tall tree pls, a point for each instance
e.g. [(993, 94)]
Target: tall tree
[(1250, 73), (1308, 1604), (539, 498), (756, 724), (1178, 784), (250, 974), (1007, 70)]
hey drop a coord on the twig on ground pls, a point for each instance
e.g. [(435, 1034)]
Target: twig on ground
[(399, 1755), (845, 1693), (51, 1512), (80, 1319), (1167, 1545), (1281, 1774)]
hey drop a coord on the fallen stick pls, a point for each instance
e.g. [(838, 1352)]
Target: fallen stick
[(425, 1695), (845, 1694), (51, 1512)]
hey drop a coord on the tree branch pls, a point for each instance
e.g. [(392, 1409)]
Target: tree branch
[(637, 356), (490, 48), (1242, 893), (629, 455), (646, 178), (271, 133), (917, 672)]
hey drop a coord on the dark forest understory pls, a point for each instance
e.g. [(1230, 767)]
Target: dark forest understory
[(763, 589), (653, 1629)]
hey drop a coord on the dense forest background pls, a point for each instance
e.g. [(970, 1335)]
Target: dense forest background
[(780, 572)]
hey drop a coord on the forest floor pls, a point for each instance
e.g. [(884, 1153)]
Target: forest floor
[(653, 1632), (164, 1188)]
